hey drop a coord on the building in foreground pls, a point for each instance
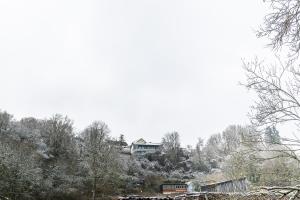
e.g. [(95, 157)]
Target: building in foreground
[(141, 147), (238, 185), (173, 188)]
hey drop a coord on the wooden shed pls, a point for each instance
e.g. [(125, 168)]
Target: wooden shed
[(173, 188), (238, 185)]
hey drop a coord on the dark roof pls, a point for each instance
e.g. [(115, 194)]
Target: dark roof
[(174, 184), (223, 182)]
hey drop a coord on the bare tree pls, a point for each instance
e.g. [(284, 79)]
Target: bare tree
[(58, 133), (171, 146), (232, 137), (213, 150), (20, 172), (198, 157), (99, 154), (5, 118), (277, 88), (282, 24), (199, 148)]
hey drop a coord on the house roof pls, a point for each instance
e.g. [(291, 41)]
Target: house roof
[(141, 141), (174, 184), (223, 182), (149, 144)]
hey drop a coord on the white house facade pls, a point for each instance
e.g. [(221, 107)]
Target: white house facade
[(141, 147)]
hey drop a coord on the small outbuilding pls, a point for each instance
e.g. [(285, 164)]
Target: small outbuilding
[(173, 188), (237, 185)]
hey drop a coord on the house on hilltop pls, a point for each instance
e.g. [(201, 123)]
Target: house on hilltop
[(141, 147)]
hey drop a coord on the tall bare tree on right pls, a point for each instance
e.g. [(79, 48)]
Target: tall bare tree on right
[(281, 26), (278, 85)]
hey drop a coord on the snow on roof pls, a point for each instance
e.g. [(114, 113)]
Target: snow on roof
[(141, 141), (149, 144)]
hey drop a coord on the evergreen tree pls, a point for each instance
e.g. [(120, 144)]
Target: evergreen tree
[(272, 136)]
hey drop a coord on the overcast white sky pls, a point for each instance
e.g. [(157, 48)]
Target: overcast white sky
[(144, 67)]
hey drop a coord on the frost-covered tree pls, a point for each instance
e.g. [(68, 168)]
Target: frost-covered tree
[(213, 150), (281, 25), (58, 133), (5, 119), (100, 156), (277, 85), (198, 157), (171, 146), (61, 168), (20, 171), (232, 137), (239, 164)]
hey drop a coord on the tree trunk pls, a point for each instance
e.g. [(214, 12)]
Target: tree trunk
[(94, 189)]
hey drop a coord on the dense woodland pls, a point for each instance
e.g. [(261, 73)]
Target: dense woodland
[(46, 159)]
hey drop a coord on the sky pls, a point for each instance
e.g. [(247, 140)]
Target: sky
[(144, 67)]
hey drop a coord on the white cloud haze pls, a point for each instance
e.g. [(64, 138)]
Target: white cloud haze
[(143, 67)]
